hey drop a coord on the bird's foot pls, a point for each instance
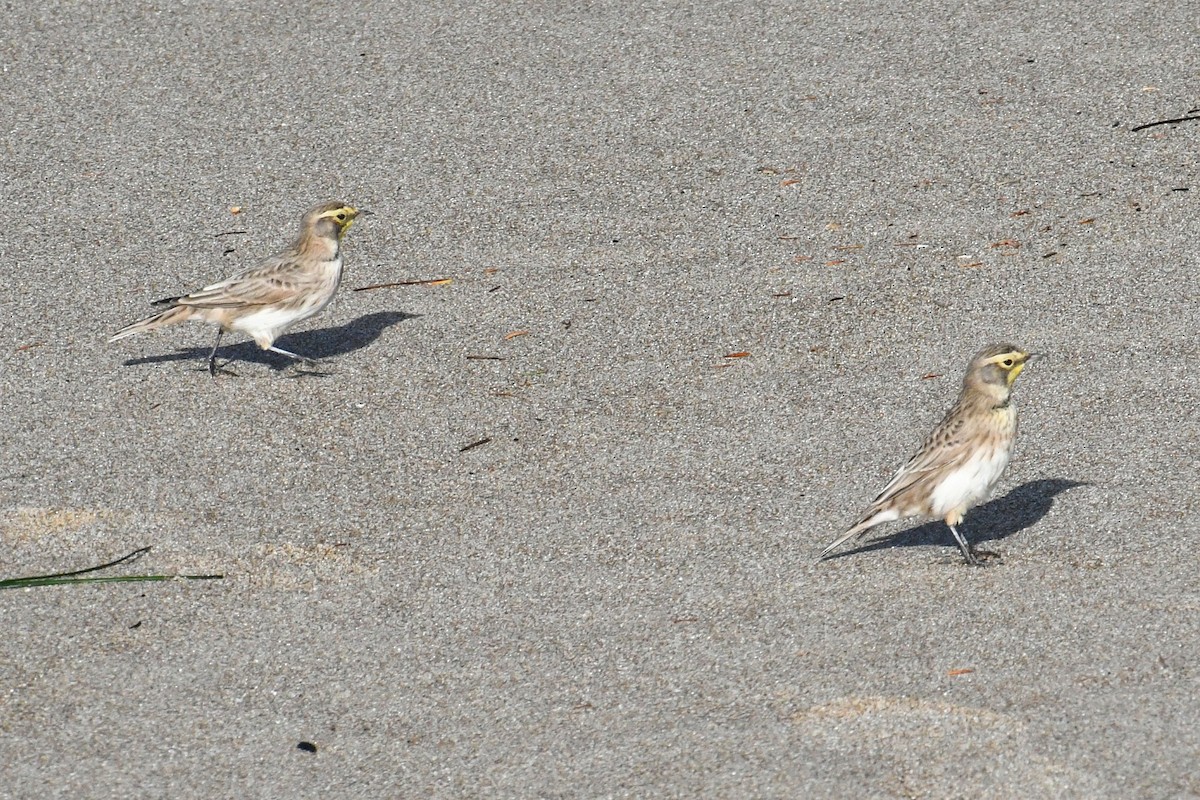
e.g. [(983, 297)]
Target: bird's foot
[(215, 369), (980, 558)]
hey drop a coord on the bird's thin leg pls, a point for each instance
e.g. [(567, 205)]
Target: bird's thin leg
[(212, 356), (967, 552), (304, 360)]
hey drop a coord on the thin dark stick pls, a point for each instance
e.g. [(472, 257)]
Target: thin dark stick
[(27, 583), (63, 578), (473, 445), (1162, 122), (396, 283), (134, 556)]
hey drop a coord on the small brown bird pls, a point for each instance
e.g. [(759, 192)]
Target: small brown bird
[(962, 458), (266, 300)]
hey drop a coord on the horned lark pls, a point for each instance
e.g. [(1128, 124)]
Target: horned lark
[(962, 459), (265, 301)]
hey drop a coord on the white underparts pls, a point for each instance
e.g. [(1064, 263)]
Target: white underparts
[(970, 483)]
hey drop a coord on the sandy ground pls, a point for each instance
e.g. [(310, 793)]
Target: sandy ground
[(615, 595)]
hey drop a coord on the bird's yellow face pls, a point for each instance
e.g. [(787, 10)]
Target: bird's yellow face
[(1008, 364), (341, 216)]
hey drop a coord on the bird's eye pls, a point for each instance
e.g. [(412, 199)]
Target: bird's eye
[(341, 217), (1008, 362)]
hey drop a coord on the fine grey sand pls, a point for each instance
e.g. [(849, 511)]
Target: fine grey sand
[(615, 595)]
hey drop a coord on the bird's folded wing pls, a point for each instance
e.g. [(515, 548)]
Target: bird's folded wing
[(250, 289), (927, 461)]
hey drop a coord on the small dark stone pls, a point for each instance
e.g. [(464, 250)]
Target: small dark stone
[(307, 747)]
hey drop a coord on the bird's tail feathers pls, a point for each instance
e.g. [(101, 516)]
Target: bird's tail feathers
[(869, 520), (168, 317)]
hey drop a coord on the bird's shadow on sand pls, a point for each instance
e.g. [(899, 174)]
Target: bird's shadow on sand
[(317, 344), (990, 522)]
